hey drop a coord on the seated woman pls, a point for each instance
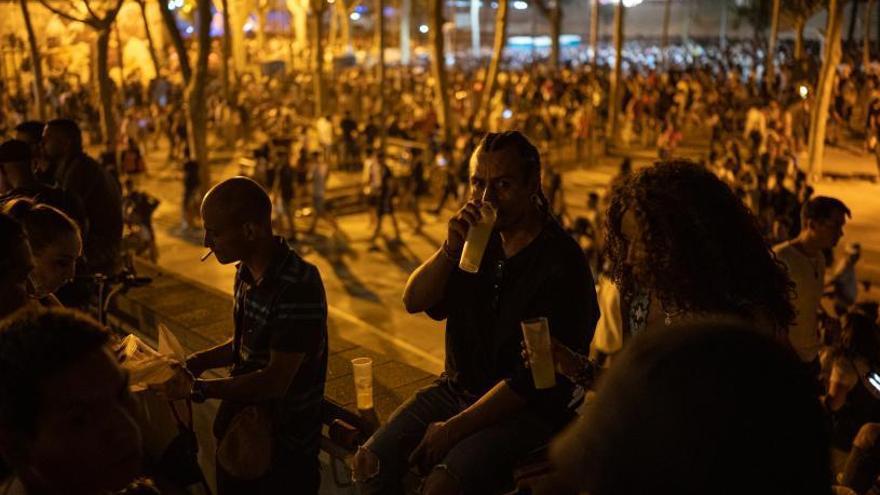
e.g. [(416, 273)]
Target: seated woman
[(55, 242), (682, 246)]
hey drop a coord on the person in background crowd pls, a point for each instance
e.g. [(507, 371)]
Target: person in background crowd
[(79, 175), (320, 176), (55, 243), (844, 284), (138, 207), (822, 220), (17, 174), (659, 426), (66, 415), (385, 202), (191, 185), (278, 352), (16, 263)]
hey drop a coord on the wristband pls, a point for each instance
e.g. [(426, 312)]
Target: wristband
[(197, 394)]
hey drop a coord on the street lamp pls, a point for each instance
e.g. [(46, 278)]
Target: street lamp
[(424, 29)]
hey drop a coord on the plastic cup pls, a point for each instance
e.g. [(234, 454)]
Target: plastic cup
[(536, 333), (363, 382), (477, 239)]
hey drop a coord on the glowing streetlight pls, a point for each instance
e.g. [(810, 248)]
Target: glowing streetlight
[(424, 29), (520, 5), (354, 16)]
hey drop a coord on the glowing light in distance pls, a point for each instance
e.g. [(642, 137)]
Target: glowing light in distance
[(424, 29), (355, 16), (507, 113), (520, 5), (803, 91)]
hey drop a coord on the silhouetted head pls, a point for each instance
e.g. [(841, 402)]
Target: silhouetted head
[(237, 214)]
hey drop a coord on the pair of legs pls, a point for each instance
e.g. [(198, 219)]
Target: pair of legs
[(862, 471), (480, 464)]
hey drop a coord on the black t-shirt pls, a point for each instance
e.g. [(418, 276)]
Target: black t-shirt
[(548, 278)]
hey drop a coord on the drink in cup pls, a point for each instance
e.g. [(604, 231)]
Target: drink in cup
[(363, 382), (536, 333), (477, 238)]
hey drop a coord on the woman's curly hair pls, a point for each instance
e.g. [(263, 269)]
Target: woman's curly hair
[(704, 252)]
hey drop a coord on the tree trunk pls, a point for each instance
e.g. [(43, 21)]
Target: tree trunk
[(799, 38), (819, 113), (150, 43), (196, 99), (494, 64), (722, 35), (226, 52), (555, 31), (315, 17), (770, 63), (36, 62), (664, 40), (853, 15), (616, 76), (475, 28), (594, 31), (405, 14), (105, 90), (380, 67), (119, 61), (438, 68), (176, 41), (344, 26), (866, 35)]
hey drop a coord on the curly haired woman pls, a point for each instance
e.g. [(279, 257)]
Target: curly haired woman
[(681, 247)]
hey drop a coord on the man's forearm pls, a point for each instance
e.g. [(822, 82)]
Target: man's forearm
[(215, 357), (498, 403), (425, 286)]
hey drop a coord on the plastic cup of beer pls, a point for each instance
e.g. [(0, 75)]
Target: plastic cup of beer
[(536, 333), (363, 382), (477, 239)]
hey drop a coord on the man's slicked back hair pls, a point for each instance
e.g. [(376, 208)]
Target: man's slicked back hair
[(70, 129), (517, 143), (822, 207)]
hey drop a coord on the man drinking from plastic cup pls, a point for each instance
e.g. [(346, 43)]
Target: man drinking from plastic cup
[(467, 430)]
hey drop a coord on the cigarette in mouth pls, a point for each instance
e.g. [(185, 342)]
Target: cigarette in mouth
[(206, 255)]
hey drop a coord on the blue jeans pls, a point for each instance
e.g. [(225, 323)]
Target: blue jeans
[(481, 463)]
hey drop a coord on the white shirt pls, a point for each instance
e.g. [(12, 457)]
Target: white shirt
[(808, 275)]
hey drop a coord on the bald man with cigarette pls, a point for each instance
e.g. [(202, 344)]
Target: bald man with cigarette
[(278, 352)]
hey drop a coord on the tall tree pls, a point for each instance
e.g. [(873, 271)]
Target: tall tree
[(316, 19), (99, 16), (380, 47), (36, 61), (142, 4), (176, 40), (552, 11), (438, 69), (226, 52), (492, 74), (770, 63), (866, 35), (196, 97), (819, 112), (794, 14), (405, 15), (616, 76), (664, 39), (853, 15), (594, 31)]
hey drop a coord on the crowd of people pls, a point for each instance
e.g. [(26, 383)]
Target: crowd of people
[(699, 344)]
